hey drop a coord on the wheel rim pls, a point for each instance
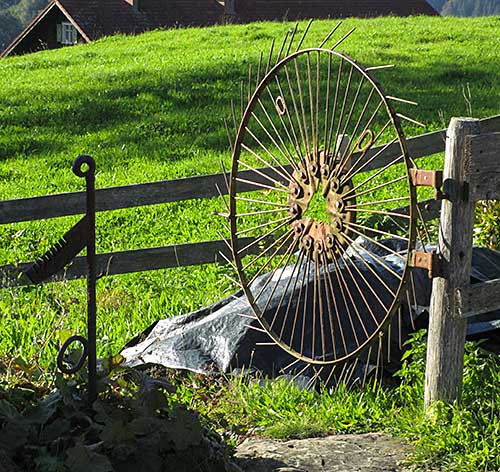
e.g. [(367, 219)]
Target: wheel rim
[(315, 119)]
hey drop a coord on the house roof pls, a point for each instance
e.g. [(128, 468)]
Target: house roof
[(255, 10)]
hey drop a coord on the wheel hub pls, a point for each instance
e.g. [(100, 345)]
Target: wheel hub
[(321, 173)]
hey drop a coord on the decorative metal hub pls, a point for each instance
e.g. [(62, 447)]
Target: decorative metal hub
[(321, 173)]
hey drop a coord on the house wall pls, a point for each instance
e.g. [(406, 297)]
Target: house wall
[(43, 35)]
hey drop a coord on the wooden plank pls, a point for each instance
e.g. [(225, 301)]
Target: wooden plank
[(490, 125), (483, 171), (127, 196), (446, 334), (138, 260), (476, 299)]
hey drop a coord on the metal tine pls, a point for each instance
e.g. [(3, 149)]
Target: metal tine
[(330, 34), (260, 330), (278, 57), (266, 344), (231, 143), (330, 375), (342, 377), (389, 332), (402, 100), (234, 281), (242, 106), (225, 173), (269, 58), (304, 35), (297, 375), (226, 215), (284, 369), (223, 238), (385, 66), (259, 68), (380, 358), (343, 38), (411, 120), (365, 375), (292, 38), (229, 261), (351, 370), (235, 121), (249, 87), (315, 377), (247, 316)]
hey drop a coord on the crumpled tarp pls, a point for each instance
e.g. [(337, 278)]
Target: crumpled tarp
[(220, 338)]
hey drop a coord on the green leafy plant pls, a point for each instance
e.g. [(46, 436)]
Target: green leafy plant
[(134, 425)]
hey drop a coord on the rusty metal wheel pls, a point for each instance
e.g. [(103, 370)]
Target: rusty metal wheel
[(311, 187)]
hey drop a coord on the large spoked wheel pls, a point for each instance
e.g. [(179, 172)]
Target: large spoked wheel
[(308, 196)]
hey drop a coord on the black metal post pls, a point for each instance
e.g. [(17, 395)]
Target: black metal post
[(89, 174)]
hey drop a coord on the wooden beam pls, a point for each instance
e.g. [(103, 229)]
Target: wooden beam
[(127, 196), (138, 260), (476, 299), (483, 171), (446, 334)]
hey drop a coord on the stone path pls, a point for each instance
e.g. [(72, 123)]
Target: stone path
[(371, 452)]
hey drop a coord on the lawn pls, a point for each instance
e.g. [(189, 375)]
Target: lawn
[(150, 108)]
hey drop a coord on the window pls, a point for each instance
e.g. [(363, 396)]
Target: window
[(66, 33)]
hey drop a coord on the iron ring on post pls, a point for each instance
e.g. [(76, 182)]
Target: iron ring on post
[(78, 164), (62, 352)]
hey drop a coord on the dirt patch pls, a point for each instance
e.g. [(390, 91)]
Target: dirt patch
[(371, 452)]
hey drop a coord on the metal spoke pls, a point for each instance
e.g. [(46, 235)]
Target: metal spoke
[(265, 176)]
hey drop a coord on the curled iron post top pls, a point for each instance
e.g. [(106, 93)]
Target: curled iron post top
[(79, 166), (62, 352)]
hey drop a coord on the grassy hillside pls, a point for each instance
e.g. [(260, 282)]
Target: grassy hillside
[(150, 108)]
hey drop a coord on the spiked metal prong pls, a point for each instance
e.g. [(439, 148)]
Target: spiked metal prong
[(238, 284), (343, 38), (249, 84), (269, 58), (231, 263), (222, 197), (265, 344), (294, 32), (386, 66), (235, 120), (304, 35), (411, 120), (330, 34), (402, 100), (278, 57), (259, 69), (229, 138), (260, 330), (247, 316)]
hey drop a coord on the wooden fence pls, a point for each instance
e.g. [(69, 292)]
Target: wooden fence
[(471, 173), (152, 193)]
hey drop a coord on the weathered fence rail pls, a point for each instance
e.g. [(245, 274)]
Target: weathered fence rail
[(199, 187)]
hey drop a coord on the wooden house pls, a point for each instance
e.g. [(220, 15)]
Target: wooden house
[(67, 22)]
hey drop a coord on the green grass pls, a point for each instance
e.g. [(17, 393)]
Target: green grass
[(151, 108)]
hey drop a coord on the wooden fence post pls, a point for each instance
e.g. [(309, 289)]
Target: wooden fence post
[(447, 330)]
